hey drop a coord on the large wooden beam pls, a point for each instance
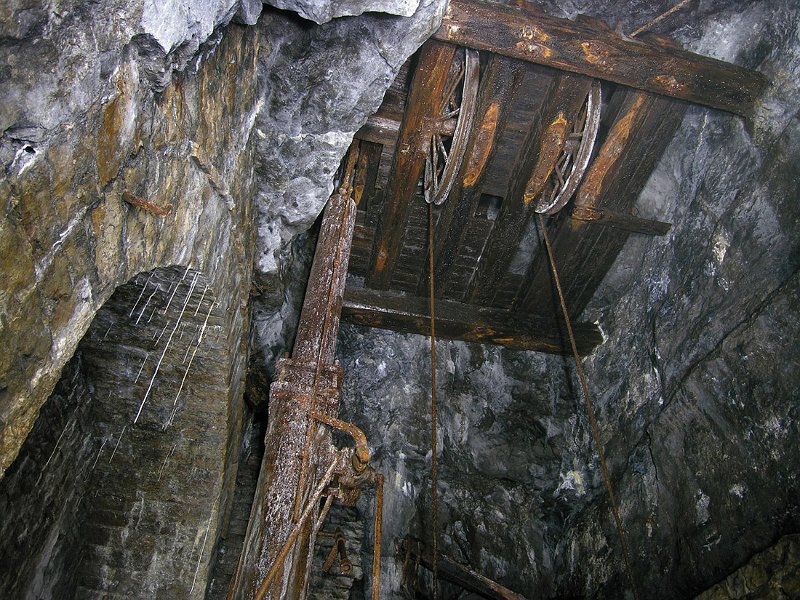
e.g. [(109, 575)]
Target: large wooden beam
[(600, 52), (457, 321), (424, 102), (462, 576), (534, 161), (308, 381)]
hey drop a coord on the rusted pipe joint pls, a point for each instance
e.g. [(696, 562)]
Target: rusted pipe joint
[(360, 459)]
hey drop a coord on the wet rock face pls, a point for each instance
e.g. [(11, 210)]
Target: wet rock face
[(695, 387), (322, 11), (321, 84)]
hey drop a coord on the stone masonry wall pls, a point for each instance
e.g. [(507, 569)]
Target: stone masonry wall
[(41, 495)]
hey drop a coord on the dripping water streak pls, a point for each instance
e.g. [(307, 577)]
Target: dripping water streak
[(106, 334), (119, 439), (158, 340), (189, 346), (169, 302), (142, 367), (205, 289), (53, 453), (98, 454), (203, 547), (189, 366), (166, 346), (144, 308), (144, 287), (164, 464)]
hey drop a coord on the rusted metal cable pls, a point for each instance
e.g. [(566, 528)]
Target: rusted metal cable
[(590, 410), (376, 548), (660, 18), (312, 505), (313, 542), (434, 459)]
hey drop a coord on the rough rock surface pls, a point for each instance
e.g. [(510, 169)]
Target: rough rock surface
[(695, 387), (322, 83), (773, 573), (322, 11)]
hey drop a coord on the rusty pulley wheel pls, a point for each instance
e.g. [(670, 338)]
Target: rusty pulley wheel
[(449, 132), (573, 162)]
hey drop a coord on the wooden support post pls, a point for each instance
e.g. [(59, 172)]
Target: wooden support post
[(560, 107), (457, 321), (583, 47), (424, 103), (308, 381)]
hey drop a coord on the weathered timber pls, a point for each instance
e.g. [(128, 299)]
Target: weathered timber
[(500, 79), (319, 319), (457, 321), (366, 171), (379, 129), (462, 576), (644, 125), (629, 223), (294, 446), (585, 48), (561, 106), (422, 108)]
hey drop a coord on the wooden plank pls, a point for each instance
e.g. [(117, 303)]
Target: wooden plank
[(583, 252), (499, 81), (319, 319), (629, 223), (462, 576), (599, 52), (366, 176), (457, 321), (563, 102), (424, 101)]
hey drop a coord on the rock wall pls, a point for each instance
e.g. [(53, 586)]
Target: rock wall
[(41, 495), (70, 238)]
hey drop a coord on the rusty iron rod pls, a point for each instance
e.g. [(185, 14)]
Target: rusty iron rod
[(361, 455), (287, 546), (376, 549), (161, 211), (313, 542)]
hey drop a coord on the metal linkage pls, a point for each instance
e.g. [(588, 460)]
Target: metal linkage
[(351, 473)]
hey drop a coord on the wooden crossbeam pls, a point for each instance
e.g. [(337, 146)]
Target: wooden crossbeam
[(644, 126), (424, 101), (599, 52), (629, 223), (564, 99), (457, 321)]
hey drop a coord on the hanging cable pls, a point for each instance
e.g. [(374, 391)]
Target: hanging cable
[(660, 18), (434, 460), (590, 410)]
